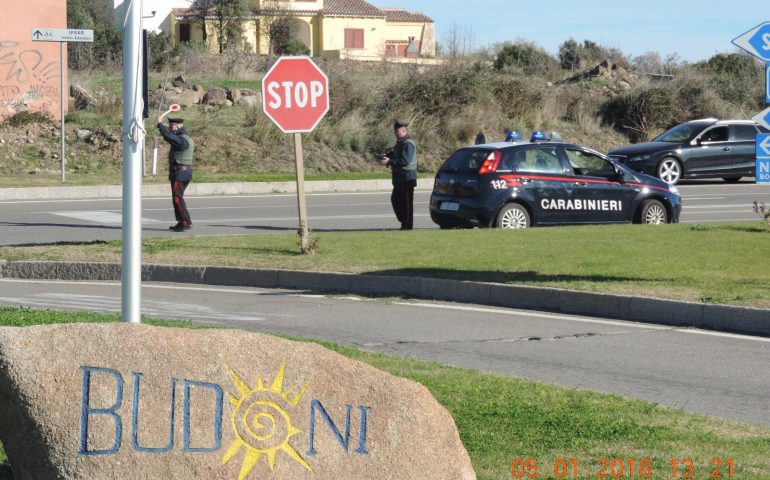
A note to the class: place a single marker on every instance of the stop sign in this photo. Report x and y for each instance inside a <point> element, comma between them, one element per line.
<point>295,94</point>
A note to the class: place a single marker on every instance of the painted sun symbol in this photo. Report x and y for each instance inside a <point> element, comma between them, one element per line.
<point>261,425</point>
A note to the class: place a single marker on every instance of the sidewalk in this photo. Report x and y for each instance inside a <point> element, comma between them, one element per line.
<point>201,189</point>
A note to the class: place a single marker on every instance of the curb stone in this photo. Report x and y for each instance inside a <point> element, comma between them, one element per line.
<point>725,318</point>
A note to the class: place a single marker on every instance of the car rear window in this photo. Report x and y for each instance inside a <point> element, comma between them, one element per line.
<point>465,161</point>
<point>680,133</point>
<point>744,133</point>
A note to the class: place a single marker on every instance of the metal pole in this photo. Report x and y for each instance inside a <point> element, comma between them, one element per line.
<point>61,105</point>
<point>132,167</point>
<point>301,206</point>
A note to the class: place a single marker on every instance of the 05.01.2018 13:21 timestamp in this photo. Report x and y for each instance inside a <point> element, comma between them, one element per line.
<point>685,468</point>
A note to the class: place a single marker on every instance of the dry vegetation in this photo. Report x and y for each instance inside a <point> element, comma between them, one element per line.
<point>599,106</point>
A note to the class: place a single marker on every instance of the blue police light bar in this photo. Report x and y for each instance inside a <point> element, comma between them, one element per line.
<point>515,135</point>
<point>537,136</point>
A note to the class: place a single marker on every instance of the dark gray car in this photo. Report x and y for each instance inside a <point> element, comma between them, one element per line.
<point>707,148</point>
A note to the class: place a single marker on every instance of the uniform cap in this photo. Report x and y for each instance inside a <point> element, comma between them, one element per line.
<point>172,121</point>
<point>399,124</point>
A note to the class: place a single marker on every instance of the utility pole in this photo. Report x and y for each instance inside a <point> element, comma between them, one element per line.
<point>133,139</point>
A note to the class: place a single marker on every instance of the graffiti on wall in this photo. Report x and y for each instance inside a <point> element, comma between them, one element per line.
<point>28,79</point>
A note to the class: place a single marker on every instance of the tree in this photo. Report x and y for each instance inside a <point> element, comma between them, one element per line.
<point>276,25</point>
<point>107,46</point>
<point>229,15</point>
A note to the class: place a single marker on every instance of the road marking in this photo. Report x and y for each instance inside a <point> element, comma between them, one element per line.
<point>701,207</point>
<point>101,217</point>
<point>509,311</point>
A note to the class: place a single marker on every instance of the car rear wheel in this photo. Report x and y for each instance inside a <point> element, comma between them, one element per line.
<point>513,215</point>
<point>731,179</point>
<point>669,170</point>
<point>653,213</point>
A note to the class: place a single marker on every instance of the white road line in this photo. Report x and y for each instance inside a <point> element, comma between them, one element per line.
<point>510,312</point>
<point>570,318</point>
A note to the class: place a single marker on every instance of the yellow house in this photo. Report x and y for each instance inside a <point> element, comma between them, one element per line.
<point>329,28</point>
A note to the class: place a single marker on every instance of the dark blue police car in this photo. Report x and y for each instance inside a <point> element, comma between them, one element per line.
<point>523,184</point>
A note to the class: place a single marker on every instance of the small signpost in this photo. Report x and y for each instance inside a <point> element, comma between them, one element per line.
<point>295,96</point>
<point>62,35</point>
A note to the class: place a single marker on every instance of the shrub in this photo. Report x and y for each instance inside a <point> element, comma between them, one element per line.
<point>526,57</point>
<point>26,117</point>
<point>292,47</point>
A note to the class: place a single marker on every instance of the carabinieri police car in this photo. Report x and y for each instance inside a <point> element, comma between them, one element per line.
<point>545,182</point>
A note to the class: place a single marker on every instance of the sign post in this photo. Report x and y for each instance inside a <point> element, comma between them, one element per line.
<point>295,96</point>
<point>62,35</point>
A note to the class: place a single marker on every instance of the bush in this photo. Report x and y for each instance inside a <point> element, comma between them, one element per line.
<point>292,47</point>
<point>26,117</point>
<point>526,57</point>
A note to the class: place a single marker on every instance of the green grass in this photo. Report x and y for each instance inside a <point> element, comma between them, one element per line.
<point>715,263</point>
<point>501,418</point>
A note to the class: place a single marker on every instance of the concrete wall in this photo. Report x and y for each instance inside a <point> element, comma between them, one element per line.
<point>30,71</point>
<point>333,37</point>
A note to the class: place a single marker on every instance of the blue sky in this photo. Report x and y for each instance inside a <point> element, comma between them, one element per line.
<point>694,30</point>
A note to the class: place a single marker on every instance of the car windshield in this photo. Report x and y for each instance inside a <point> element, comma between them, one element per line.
<point>680,133</point>
<point>465,161</point>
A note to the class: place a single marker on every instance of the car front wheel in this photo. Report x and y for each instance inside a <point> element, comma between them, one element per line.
<point>669,170</point>
<point>512,215</point>
<point>653,213</point>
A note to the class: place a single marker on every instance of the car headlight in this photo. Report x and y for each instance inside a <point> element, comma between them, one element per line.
<point>639,158</point>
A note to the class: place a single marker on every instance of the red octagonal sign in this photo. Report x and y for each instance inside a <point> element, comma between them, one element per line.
<point>295,94</point>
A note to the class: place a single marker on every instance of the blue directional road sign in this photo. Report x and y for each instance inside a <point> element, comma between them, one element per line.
<point>756,41</point>
<point>763,118</point>
<point>763,158</point>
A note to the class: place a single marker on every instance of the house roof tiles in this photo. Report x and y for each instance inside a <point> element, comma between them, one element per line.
<point>401,15</point>
<point>334,8</point>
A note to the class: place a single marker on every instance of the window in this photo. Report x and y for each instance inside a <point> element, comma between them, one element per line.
<point>465,161</point>
<point>354,38</point>
<point>744,133</point>
<point>532,160</point>
<point>184,32</point>
<point>585,163</point>
<point>716,134</point>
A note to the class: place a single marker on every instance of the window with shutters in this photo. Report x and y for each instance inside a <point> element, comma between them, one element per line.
<point>354,38</point>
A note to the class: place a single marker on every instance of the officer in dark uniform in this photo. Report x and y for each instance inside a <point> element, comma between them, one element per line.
<point>402,160</point>
<point>180,158</point>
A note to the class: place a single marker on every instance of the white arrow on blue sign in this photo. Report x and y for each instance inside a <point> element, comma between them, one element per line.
<point>763,118</point>
<point>756,41</point>
<point>762,174</point>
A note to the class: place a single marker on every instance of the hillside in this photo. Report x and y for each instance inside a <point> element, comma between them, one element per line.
<point>604,105</point>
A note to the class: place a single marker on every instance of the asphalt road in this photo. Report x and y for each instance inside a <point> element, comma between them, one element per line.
<point>707,372</point>
<point>23,222</point>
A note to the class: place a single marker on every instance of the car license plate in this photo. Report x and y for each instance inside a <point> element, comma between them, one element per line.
<point>450,206</point>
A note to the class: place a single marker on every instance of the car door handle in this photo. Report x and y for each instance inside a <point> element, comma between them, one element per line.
<point>727,149</point>
<point>526,180</point>
<point>581,184</point>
